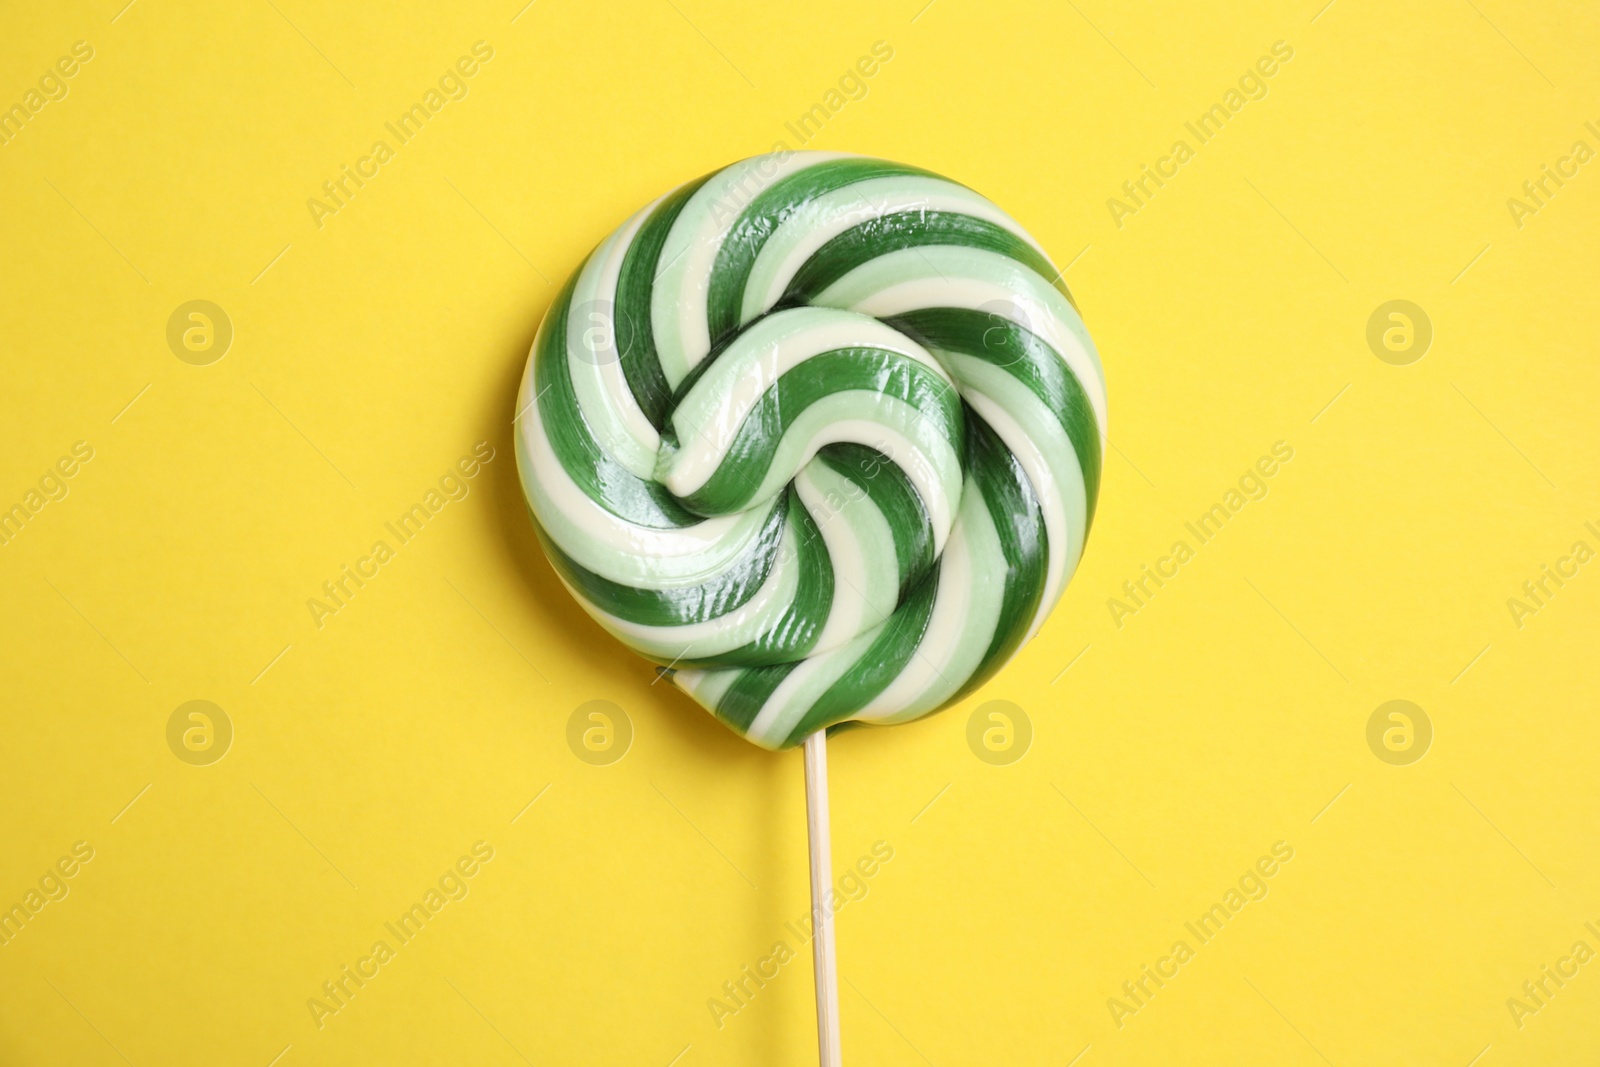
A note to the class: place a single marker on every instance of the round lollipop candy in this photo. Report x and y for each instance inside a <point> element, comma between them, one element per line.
<point>821,436</point>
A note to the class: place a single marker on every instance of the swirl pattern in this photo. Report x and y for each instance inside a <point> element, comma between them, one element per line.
<point>819,434</point>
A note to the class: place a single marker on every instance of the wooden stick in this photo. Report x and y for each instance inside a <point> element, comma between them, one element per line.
<point>825,962</point>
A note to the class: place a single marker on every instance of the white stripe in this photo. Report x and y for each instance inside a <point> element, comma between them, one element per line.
<point>678,303</point>
<point>724,633</point>
<point>779,714</point>
<point>709,417</point>
<point>922,278</point>
<point>1060,555</point>
<point>946,624</point>
<point>861,598</point>
<point>594,357</point>
<point>613,547</point>
<point>813,224</point>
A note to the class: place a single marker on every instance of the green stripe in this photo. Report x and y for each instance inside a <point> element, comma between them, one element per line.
<point>765,214</point>
<point>907,229</point>
<point>601,478</point>
<point>701,369</point>
<point>1028,358</point>
<point>738,477</point>
<point>744,699</point>
<point>794,633</point>
<point>876,667</point>
<point>1019,524</point>
<point>676,607</point>
<point>887,486</point>
<point>636,340</point>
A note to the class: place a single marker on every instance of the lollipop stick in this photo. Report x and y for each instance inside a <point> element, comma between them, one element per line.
<point>825,962</point>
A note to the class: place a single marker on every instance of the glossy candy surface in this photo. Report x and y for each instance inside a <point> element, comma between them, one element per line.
<point>820,432</point>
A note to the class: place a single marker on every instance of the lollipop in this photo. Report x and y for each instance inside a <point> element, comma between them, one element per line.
<point>820,435</point>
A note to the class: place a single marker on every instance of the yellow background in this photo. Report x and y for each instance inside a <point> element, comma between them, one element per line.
<point>1225,716</point>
